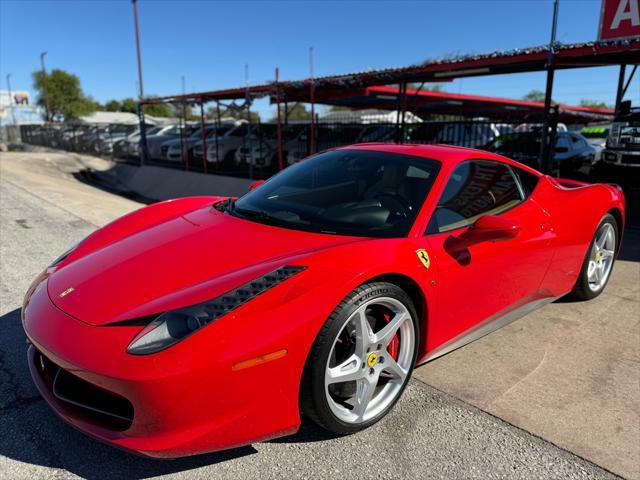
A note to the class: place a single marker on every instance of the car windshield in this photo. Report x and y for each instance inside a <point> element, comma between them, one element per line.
<point>345,192</point>
<point>219,131</point>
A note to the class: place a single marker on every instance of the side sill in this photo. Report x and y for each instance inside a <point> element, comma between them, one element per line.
<point>486,327</point>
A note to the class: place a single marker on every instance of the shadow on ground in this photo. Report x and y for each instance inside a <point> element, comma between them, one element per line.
<point>33,434</point>
<point>630,250</point>
<point>105,182</point>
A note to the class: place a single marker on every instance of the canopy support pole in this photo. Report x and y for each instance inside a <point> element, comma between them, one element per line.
<point>203,136</point>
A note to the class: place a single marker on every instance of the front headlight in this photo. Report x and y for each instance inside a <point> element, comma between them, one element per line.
<point>175,325</point>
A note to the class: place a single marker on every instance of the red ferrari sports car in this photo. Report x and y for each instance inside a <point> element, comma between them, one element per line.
<point>205,323</point>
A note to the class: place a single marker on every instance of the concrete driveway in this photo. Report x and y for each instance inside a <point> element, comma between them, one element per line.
<point>569,372</point>
<point>565,380</point>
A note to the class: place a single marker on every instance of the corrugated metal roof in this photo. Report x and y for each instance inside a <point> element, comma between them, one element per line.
<point>442,69</point>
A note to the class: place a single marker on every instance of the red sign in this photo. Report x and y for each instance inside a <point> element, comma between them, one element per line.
<point>619,19</point>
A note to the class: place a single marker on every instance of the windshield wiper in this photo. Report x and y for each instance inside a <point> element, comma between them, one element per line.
<point>258,215</point>
<point>225,205</point>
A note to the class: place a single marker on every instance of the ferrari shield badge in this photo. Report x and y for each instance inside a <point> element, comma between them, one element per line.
<point>423,256</point>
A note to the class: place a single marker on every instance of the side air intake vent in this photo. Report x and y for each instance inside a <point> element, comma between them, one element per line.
<point>175,325</point>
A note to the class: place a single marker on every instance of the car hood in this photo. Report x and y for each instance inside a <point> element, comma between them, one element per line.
<point>180,260</point>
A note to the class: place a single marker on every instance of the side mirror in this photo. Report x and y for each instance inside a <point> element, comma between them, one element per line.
<point>491,228</point>
<point>255,184</point>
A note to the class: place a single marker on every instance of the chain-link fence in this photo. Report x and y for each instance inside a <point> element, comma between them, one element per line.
<point>98,140</point>
<point>240,148</point>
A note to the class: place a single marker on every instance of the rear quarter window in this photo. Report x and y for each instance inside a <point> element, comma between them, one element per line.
<point>528,181</point>
<point>475,188</point>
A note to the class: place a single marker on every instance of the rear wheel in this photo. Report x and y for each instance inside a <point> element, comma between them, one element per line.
<point>362,359</point>
<point>599,260</point>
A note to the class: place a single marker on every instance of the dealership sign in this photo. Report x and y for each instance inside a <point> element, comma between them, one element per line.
<point>18,98</point>
<point>619,19</point>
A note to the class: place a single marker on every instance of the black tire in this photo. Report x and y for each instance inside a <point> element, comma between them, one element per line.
<point>581,290</point>
<point>313,398</point>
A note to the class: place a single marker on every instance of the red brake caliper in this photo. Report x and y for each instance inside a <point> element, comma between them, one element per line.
<point>395,343</point>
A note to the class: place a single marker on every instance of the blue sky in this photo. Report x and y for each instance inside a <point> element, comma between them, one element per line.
<point>209,42</point>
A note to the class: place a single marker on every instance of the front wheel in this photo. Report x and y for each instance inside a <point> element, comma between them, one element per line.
<point>599,260</point>
<point>362,359</point>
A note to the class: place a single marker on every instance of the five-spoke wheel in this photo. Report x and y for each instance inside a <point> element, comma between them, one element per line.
<point>601,257</point>
<point>362,358</point>
<point>598,261</point>
<point>368,364</point>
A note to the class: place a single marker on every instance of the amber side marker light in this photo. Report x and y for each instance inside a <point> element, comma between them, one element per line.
<point>252,362</point>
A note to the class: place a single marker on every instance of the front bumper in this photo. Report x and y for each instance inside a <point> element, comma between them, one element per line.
<point>183,401</point>
<point>627,158</point>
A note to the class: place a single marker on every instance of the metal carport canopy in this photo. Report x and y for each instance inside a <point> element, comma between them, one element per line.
<point>580,55</point>
<point>424,101</point>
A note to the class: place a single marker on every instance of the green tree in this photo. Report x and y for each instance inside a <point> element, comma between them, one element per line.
<point>239,114</point>
<point>433,87</point>
<point>158,110</point>
<point>66,98</point>
<point>339,108</point>
<point>113,106</point>
<point>254,116</point>
<point>129,105</point>
<point>594,103</point>
<point>187,112</point>
<point>534,96</point>
<point>297,112</point>
<point>96,104</point>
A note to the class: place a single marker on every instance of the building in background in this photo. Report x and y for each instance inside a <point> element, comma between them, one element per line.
<point>17,108</point>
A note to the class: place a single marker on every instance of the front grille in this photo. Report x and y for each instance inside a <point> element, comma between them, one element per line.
<point>630,159</point>
<point>87,401</point>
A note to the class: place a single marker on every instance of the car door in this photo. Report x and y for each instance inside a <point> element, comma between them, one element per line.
<point>480,281</point>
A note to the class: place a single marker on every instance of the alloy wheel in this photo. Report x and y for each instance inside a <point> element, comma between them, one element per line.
<point>601,257</point>
<point>370,360</point>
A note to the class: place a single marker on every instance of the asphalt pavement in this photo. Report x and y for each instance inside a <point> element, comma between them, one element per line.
<point>430,434</point>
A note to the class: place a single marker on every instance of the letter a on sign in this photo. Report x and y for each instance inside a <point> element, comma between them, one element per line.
<point>619,19</point>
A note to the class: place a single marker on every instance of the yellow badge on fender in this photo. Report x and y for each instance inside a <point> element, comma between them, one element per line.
<point>423,256</point>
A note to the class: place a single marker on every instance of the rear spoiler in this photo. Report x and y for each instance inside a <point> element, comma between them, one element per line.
<point>570,183</point>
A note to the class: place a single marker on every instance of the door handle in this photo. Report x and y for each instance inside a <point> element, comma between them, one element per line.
<point>546,227</point>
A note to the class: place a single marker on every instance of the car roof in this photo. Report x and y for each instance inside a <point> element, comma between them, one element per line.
<point>449,155</point>
<point>442,153</point>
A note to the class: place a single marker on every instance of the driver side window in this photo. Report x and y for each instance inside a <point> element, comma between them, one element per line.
<point>475,188</point>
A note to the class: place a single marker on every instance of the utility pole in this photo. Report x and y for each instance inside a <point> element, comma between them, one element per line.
<point>546,146</point>
<point>44,88</point>
<point>143,130</point>
<point>312,94</point>
<point>13,114</point>
<point>137,30</point>
<point>183,130</point>
<point>279,120</point>
<point>249,131</point>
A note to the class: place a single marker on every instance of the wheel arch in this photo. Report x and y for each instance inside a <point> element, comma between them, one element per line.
<point>617,214</point>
